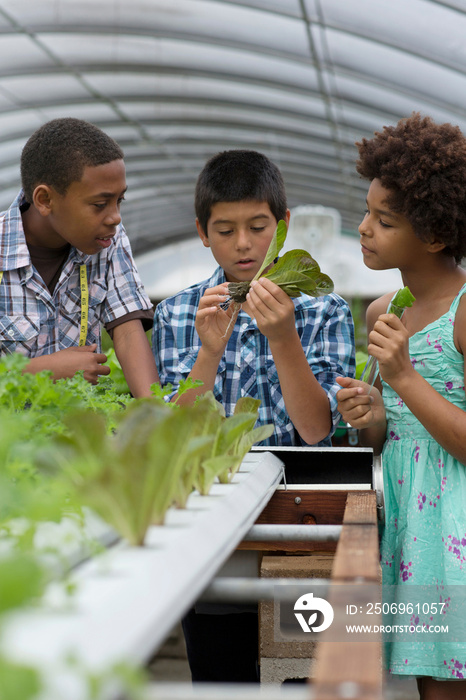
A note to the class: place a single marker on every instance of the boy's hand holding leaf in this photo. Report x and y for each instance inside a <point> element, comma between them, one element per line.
<point>272,309</point>
<point>213,321</point>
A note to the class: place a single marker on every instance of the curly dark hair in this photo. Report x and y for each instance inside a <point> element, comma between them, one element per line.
<point>237,175</point>
<point>57,153</point>
<point>423,164</point>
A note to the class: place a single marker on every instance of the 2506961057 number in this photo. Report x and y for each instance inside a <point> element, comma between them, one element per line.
<point>399,608</point>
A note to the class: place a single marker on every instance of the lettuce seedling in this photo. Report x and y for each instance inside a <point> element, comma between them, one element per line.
<point>209,416</point>
<point>132,477</point>
<point>157,455</point>
<point>239,433</point>
<point>235,437</point>
<point>296,272</point>
<point>22,583</point>
<point>402,299</point>
<point>248,438</point>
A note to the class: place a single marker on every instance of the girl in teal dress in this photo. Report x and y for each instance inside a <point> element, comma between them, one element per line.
<point>415,415</point>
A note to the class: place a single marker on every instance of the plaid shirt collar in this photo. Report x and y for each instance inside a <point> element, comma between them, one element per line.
<point>217,278</point>
<point>14,252</point>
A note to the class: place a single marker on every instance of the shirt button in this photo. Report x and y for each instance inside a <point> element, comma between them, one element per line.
<point>11,332</point>
<point>244,326</point>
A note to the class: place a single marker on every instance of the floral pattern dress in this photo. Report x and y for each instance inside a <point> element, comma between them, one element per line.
<point>424,539</point>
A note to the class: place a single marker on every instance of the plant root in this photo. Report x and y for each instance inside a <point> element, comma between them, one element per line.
<point>236,307</point>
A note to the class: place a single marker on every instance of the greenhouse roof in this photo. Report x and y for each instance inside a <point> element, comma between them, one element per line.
<point>175,81</point>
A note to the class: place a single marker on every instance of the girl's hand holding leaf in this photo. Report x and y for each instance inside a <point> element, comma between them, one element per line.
<point>389,343</point>
<point>356,406</point>
<point>402,299</point>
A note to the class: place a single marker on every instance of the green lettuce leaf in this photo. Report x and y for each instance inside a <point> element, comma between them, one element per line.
<point>402,299</point>
<point>276,244</point>
<point>296,272</point>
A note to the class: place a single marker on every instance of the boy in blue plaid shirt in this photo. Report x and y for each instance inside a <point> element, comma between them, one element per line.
<point>66,266</point>
<point>286,352</point>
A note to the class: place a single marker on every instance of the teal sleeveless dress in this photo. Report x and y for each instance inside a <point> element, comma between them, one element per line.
<point>424,539</point>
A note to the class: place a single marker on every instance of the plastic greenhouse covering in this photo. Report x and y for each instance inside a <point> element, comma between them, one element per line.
<point>175,81</point>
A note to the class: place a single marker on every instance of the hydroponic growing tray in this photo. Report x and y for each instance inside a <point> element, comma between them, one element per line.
<point>127,600</point>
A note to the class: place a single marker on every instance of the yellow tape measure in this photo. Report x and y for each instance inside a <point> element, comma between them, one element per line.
<point>84,304</point>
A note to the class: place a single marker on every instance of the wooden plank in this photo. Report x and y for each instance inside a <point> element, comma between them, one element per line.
<point>325,507</point>
<point>356,560</point>
<point>357,555</point>
<point>290,547</point>
<point>361,508</point>
<point>314,507</point>
<point>355,666</point>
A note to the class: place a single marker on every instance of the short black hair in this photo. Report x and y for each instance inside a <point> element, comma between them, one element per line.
<point>237,175</point>
<point>57,153</point>
<point>423,164</point>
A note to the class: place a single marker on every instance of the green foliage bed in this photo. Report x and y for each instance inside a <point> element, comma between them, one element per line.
<point>68,446</point>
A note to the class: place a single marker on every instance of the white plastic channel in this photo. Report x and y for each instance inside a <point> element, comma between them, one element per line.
<point>127,602</point>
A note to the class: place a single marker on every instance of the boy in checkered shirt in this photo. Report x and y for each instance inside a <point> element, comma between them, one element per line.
<point>286,352</point>
<point>65,260</point>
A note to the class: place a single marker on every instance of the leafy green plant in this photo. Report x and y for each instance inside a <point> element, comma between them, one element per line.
<point>22,582</point>
<point>162,393</point>
<point>196,473</point>
<point>18,682</point>
<point>130,478</point>
<point>402,299</point>
<point>238,433</point>
<point>119,383</point>
<point>67,444</point>
<point>157,455</point>
<point>49,400</point>
<point>361,361</point>
<point>32,410</point>
<point>234,437</point>
<point>296,272</point>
